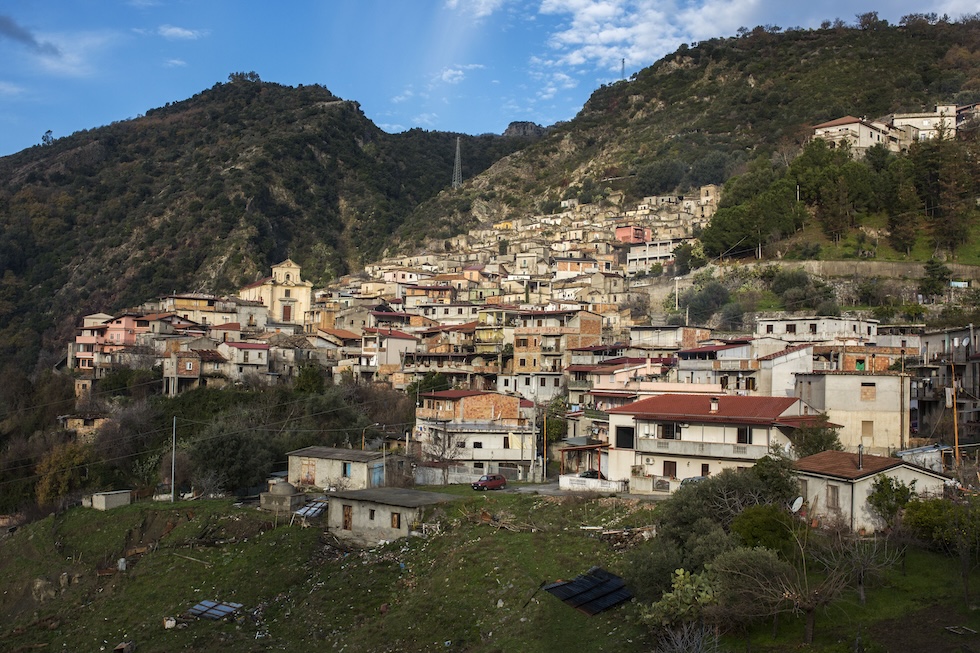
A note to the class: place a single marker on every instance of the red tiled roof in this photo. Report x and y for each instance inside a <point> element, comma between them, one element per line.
<point>343,334</point>
<point>842,464</point>
<point>785,352</point>
<point>846,120</point>
<point>209,355</point>
<point>258,283</point>
<point>391,333</point>
<point>731,408</point>
<point>227,326</point>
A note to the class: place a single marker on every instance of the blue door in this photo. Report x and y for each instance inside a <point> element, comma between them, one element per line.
<point>377,475</point>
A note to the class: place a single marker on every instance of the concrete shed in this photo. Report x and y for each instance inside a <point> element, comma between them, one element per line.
<point>110,500</point>
<point>371,515</point>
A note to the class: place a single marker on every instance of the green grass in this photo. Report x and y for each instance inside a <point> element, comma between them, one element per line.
<point>475,586</point>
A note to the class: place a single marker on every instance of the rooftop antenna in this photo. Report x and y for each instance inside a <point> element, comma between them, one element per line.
<point>622,74</point>
<point>457,169</point>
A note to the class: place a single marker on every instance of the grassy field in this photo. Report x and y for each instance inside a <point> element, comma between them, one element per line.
<point>473,587</point>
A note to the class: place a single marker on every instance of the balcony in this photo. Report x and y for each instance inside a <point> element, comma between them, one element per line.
<point>701,449</point>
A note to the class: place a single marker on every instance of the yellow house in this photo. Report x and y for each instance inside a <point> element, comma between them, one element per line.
<point>285,294</point>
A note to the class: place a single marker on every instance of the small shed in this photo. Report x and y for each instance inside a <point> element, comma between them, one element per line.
<point>342,469</point>
<point>371,515</point>
<point>110,500</point>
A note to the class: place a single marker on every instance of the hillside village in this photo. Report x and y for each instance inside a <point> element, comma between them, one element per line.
<point>537,311</point>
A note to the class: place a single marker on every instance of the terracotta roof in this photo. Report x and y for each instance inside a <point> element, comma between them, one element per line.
<point>256,284</point>
<point>842,464</point>
<point>785,352</point>
<point>209,355</point>
<point>343,334</point>
<point>247,345</point>
<point>391,333</point>
<point>846,120</point>
<point>731,408</point>
<point>227,326</point>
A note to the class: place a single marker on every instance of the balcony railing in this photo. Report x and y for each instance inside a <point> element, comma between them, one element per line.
<point>705,449</point>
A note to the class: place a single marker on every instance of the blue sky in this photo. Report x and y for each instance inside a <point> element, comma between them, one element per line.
<point>469,66</point>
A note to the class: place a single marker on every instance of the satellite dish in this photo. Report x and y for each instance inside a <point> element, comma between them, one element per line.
<point>797,504</point>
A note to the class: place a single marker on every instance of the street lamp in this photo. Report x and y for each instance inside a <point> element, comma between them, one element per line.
<point>369,426</point>
<point>677,305</point>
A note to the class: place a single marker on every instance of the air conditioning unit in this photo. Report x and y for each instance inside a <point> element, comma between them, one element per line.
<point>648,460</point>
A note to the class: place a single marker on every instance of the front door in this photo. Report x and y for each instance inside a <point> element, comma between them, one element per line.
<point>287,313</point>
<point>348,517</point>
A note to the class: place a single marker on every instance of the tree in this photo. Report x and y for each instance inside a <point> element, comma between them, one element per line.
<point>47,138</point>
<point>61,472</point>
<point>936,279</point>
<point>811,439</point>
<point>310,379</point>
<point>888,497</point>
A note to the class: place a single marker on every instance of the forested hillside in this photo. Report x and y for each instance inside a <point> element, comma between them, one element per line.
<point>710,109</point>
<point>204,195</point>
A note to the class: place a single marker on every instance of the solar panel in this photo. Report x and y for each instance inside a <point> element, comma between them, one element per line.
<point>313,508</point>
<point>592,592</point>
<point>213,609</point>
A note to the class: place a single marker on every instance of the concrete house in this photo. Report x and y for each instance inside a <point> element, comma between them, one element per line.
<point>658,441</point>
<point>369,516</point>
<point>873,408</point>
<point>836,485</point>
<point>331,467</point>
<point>285,294</point>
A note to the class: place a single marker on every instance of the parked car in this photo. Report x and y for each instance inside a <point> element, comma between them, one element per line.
<point>592,473</point>
<point>691,480</point>
<point>490,482</point>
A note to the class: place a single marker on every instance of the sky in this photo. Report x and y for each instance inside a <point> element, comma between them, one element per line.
<point>466,66</point>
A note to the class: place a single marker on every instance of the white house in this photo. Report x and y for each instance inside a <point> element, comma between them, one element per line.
<point>836,485</point>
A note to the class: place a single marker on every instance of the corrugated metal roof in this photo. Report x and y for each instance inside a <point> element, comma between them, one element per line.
<point>592,592</point>
<point>313,508</point>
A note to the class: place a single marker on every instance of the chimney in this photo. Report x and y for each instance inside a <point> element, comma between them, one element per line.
<point>860,456</point>
<point>714,405</point>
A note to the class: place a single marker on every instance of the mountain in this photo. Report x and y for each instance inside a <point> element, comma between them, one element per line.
<point>707,110</point>
<point>206,194</point>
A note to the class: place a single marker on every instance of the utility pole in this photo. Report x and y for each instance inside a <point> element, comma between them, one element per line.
<point>173,465</point>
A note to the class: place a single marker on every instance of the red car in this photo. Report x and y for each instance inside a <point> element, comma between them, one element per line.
<point>490,482</point>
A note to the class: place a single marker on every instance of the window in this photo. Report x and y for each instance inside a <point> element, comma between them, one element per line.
<point>506,383</point>
<point>245,356</point>
<point>506,442</point>
<point>624,437</point>
<point>396,520</point>
<point>557,382</point>
<point>669,431</point>
<point>527,380</point>
<point>867,429</point>
<point>189,366</point>
<point>542,381</point>
<point>790,328</point>
<point>813,328</point>
<point>868,392</point>
<point>371,514</point>
<point>477,445</point>
<point>768,328</point>
<point>859,365</point>
<point>522,362</point>
<point>833,497</point>
<point>287,293</point>
<point>705,469</point>
<point>346,470</point>
<point>744,435</point>
<point>670,469</point>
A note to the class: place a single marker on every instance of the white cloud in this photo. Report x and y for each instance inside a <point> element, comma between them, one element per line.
<point>175,63</point>
<point>427,119</point>
<point>76,52</point>
<point>407,94</point>
<point>455,74</point>
<point>476,8</point>
<point>9,90</point>
<point>180,33</point>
